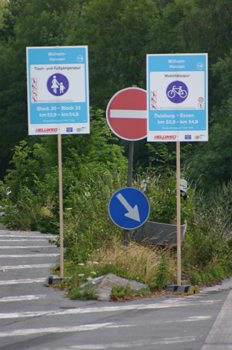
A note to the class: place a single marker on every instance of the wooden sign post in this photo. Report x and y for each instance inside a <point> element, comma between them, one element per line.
<point>61,206</point>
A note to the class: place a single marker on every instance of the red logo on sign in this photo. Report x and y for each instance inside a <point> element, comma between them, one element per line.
<point>48,130</point>
<point>165,137</point>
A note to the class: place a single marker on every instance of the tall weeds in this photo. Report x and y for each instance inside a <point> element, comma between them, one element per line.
<point>142,262</point>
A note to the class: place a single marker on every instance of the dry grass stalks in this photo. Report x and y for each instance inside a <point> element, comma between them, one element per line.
<point>136,258</point>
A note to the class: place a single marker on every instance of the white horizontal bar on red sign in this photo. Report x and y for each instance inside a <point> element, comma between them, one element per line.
<point>126,113</point>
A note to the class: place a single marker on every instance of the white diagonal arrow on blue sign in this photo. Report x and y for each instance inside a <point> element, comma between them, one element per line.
<point>133,213</point>
<point>128,208</point>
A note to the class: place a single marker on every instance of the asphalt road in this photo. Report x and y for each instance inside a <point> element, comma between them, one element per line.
<point>35,317</point>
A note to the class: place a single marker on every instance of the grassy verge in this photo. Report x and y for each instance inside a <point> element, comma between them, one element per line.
<point>145,264</point>
<point>94,245</point>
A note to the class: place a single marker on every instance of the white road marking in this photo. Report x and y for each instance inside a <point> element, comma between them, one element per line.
<point>90,327</point>
<point>28,236</point>
<point>19,267</point>
<point>77,311</point>
<point>189,319</point>
<point>23,240</point>
<point>22,298</point>
<point>27,246</point>
<point>125,113</point>
<point>131,344</point>
<point>23,281</point>
<point>220,336</point>
<point>37,255</point>
<point>81,328</point>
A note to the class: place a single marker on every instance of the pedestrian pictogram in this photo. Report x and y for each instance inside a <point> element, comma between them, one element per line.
<point>57,84</point>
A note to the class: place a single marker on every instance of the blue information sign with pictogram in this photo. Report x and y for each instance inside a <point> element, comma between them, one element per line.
<point>58,90</point>
<point>177,97</point>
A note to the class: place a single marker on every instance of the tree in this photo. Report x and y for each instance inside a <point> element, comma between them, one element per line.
<point>116,33</point>
<point>211,161</point>
<point>47,23</point>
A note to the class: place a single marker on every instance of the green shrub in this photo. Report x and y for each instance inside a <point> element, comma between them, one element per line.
<point>162,275</point>
<point>161,193</point>
<point>120,292</point>
<point>206,249</point>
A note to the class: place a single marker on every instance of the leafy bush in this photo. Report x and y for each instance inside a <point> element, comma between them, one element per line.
<point>162,274</point>
<point>34,176</point>
<point>161,192</point>
<point>206,249</point>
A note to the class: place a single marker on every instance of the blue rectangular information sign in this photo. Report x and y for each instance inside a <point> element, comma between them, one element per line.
<point>58,90</point>
<point>177,97</point>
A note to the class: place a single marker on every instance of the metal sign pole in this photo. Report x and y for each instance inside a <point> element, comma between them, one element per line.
<point>61,206</point>
<point>130,163</point>
<point>178,213</point>
<point>129,183</point>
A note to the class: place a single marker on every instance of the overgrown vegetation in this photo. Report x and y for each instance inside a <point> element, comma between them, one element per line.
<point>94,245</point>
<point>145,264</point>
<point>127,293</point>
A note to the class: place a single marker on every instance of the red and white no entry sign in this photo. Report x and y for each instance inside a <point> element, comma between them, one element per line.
<point>126,114</point>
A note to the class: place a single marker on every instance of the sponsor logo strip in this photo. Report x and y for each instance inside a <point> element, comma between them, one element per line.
<point>165,137</point>
<point>47,130</point>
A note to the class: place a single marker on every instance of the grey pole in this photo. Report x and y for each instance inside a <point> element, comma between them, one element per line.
<point>130,163</point>
<point>129,183</point>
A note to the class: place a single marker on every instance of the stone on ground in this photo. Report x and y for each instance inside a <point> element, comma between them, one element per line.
<point>104,284</point>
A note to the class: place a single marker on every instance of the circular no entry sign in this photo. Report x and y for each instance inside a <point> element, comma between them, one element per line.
<point>126,114</point>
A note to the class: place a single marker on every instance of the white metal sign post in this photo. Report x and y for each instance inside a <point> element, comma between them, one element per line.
<point>58,99</point>
<point>177,106</point>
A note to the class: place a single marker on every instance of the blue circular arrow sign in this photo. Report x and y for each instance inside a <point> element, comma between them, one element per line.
<point>129,208</point>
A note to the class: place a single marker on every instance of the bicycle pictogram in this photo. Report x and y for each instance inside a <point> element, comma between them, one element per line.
<point>177,92</point>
